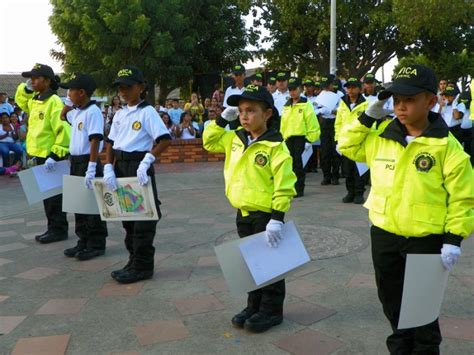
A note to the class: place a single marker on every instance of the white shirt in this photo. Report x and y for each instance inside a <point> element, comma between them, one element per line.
<point>466,120</point>
<point>447,114</point>
<point>135,128</point>
<point>370,98</point>
<point>85,123</point>
<point>232,90</point>
<point>280,99</point>
<point>9,138</point>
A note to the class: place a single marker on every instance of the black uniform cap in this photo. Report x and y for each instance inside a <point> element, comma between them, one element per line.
<point>129,75</point>
<point>80,81</point>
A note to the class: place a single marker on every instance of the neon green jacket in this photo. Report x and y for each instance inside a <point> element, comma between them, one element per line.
<point>421,188</point>
<point>47,133</point>
<point>346,116</point>
<point>259,176</point>
<point>299,120</point>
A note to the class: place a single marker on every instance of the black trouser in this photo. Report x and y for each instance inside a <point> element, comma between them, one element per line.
<point>389,255</point>
<point>355,184</point>
<point>466,140</point>
<point>268,299</point>
<point>457,132</point>
<point>90,229</point>
<point>472,146</point>
<point>53,208</point>
<point>139,235</point>
<point>295,145</point>
<point>330,160</point>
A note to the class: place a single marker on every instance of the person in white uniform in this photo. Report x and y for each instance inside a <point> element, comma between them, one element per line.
<point>282,94</point>
<point>137,137</point>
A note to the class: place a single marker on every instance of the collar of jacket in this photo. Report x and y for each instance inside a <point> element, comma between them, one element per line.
<point>143,104</point>
<point>89,104</point>
<point>347,100</point>
<point>303,100</point>
<point>44,96</point>
<point>270,138</point>
<point>436,129</point>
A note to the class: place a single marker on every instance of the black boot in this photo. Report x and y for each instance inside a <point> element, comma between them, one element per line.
<point>326,181</point>
<point>261,322</point>
<point>52,237</point>
<point>131,275</point>
<point>359,199</point>
<point>115,273</point>
<point>72,252</point>
<point>88,254</point>
<point>348,198</point>
<point>37,237</point>
<point>239,319</point>
<point>334,181</point>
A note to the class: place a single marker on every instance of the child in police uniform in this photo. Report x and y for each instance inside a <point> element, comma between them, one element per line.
<point>299,126</point>
<point>260,183</point>
<point>422,193</point>
<point>47,139</point>
<point>86,142</point>
<point>134,131</point>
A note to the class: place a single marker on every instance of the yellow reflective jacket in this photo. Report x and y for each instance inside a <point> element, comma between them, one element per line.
<point>259,176</point>
<point>47,133</point>
<point>299,120</point>
<point>346,116</point>
<point>421,188</point>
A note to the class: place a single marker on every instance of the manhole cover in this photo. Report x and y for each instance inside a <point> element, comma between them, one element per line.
<point>320,241</point>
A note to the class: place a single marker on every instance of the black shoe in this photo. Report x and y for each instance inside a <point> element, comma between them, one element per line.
<point>299,194</point>
<point>326,182</point>
<point>88,254</point>
<point>348,198</point>
<point>261,322</point>
<point>131,275</point>
<point>37,237</point>
<point>359,199</point>
<point>115,273</point>
<point>72,252</point>
<point>239,319</point>
<point>51,238</point>
<point>334,181</point>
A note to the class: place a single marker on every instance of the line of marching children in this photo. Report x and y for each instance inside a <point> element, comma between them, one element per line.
<point>136,138</point>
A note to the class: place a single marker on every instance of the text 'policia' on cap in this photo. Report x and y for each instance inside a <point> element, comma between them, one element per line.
<point>129,75</point>
<point>411,80</point>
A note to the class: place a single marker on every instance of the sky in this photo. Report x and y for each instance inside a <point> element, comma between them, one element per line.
<point>28,38</point>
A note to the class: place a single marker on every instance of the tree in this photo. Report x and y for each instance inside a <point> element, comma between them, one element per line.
<point>164,38</point>
<point>367,36</point>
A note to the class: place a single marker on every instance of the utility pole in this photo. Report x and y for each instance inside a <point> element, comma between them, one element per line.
<point>332,53</point>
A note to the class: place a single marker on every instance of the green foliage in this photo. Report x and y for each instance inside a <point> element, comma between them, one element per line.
<point>169,40</point>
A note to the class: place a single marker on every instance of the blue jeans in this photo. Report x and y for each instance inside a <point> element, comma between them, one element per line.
<point>5,149</point>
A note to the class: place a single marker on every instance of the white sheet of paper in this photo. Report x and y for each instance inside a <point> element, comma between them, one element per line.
<point>362,168</point>
<point>423,290</point>
<point>235,270</point>
<point>267,263</point>
<point>328,99</point>
<point>130,202</point>
<point>308,151</point>
<point>77,198</point>
<point>51,180</point>
<point>31,190</point>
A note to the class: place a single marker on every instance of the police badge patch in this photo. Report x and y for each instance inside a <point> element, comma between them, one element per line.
<point>136,125</point>
<point>424,162</point>
<point>41,116</point>
<point>79,126</point>
<point>261,159</point>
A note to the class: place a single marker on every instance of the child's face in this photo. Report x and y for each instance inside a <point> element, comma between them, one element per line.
<point>14,118</point>
<point>295,93</point>
<point>40,83</point>
<point>131,94</point>
<point>413,109</point>
<point>77,96</point>
<point>353,91</point>
<point>449,98</point>
<point>5,119</point>
<point>252,116</point>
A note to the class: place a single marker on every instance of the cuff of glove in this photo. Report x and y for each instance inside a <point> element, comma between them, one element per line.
<point>278,215</point>
<point>366,120</point>
<point>54,157</point>
<point>453,239</point>
<point>221,122</point>
<point>92,164</point>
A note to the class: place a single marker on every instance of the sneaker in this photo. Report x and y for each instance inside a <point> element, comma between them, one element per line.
<point>348,198</point>
<point>87,254</point>
<point>11,170</point>
<point>239,319</point>
<point>72,252</point>
<point>261,322</point>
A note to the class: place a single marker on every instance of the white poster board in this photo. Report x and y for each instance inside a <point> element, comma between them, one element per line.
<point>77,198</point>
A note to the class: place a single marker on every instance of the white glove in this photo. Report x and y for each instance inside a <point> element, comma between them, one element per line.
<point>273,233</point>
<point>50,165</point>
<point>143,168</point>
<point>230,114</point>
<point>337,150</point>
<point>450,255</point>
<point>307,146</point>
<point>90,174</point>
<point>376,110</point>
<point>109,177</point>
<point>28,85</point>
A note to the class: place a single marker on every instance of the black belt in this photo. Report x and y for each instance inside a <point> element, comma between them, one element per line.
<point>121,155</point>
<point>79,158</point>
